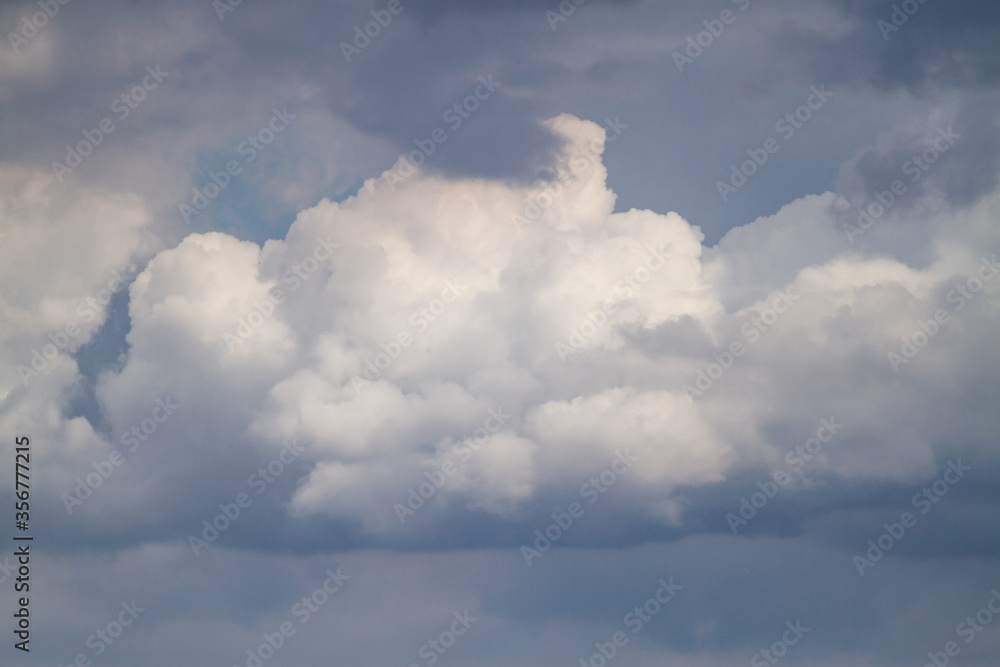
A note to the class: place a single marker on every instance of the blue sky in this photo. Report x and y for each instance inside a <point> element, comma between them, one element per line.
<point>504,333</point>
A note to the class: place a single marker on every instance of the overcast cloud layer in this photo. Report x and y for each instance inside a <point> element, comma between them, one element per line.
<point>501,329</point>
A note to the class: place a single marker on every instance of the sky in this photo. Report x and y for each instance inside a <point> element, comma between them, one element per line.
<point>506,334</point>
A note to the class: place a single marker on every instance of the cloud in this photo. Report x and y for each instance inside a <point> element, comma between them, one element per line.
<point>382,331</point>
<point>455,353</point>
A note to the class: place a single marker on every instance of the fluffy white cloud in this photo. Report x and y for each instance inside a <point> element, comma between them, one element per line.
<point>63,253</point>
<point>384,331</point>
